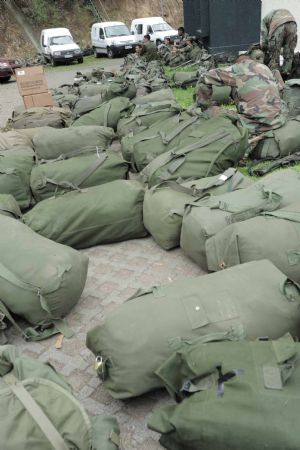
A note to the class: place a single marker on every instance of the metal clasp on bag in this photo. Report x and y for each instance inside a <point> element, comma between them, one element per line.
<point>100,367</point>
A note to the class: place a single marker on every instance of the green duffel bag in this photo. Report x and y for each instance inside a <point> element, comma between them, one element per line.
<point>103,214</point>
<point>41,281</point>
<point>15,168</point>
<point>53,116</point>
<point>54,143</point>
<point>185,79</point>
<point>77,170</point>
<point>137,337</point>
<point>144,146</point>
<point>242,242</point>
<point>84,105</point>
<point>9,207</point>
<point>280,142</point>
<point>237,395</point>
<point>65,100</point>
<point>147,115</point>
<point>165,94</point>
<point>10,139</point>
<point>218,144</point>
<point>39,412</point>
<point>108,89</point>
<point>204,218</point>
<point>291,96</point>
<point>164,204</point>
<point>108,114</point>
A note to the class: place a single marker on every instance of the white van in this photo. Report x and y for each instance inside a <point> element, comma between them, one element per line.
<point>58,45</point>
<point>156,27</point>
<point>111,38</point>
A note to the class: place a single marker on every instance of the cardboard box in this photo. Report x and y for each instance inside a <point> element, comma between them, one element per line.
<point>31,80</point>
<point>32,101</point>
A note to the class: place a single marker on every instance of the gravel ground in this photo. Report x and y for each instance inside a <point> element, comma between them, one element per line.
<point>115,272</point>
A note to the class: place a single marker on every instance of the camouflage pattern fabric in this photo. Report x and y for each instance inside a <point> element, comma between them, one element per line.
<point>149,51</point>
<point>181,39</point>
<point>255,93</point>
<point>279,30</point>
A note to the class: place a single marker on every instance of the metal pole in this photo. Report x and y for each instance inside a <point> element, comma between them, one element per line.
<point>162,8</point>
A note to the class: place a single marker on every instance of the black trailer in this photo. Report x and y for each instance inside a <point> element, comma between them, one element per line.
<point>226,26</point>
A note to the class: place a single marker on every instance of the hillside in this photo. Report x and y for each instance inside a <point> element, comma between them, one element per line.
<point>76,15</point>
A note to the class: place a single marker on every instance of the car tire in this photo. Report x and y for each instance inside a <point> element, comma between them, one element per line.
<point>5,79</point>
<point>53,62</point>
<point>96,54</point>
<point>110,53</point>
<point>80,60</point>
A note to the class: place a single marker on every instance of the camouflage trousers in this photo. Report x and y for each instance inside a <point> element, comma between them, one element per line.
<point>285,36</point>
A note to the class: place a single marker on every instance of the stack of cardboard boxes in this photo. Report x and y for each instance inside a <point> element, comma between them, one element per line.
<point>33,87</point>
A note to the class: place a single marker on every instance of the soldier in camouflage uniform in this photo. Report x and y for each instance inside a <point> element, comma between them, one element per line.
<point>254,91</point>
<point>279,30</point>
<point>149,50</point>
<point>182,36</point>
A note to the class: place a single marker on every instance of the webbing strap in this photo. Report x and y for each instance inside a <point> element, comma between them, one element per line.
<point>38,415</point>
<point>90,170</point>
<point>73,153</point>
<point>106,112</point>
<point>167,138</point>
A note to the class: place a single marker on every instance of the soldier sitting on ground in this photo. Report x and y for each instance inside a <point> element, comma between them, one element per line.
<point>254,91</point>
<point>279,30</point>
<point>149,50</point>
<point>182,37</point>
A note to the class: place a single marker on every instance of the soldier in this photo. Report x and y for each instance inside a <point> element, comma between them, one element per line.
<point>182,36</point>
<point>279,30</point>
<point>254,90</point>
<point>149,50</point>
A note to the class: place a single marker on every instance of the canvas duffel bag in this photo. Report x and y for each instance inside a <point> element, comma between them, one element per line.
<point>39,411</point>
<point>137,337</point>
<point>204,218</point>
<point>164,204</point>
<point>12,138</point>
<point>54,117</point>
<point>184,79</point>
<point>53,143</point>
<point>108,89</point>
<point>76,170</point>
<point>108,114</point>
<point>9,207</point>
<point>84,105</point>
<point>166,94</point>
<point>147,115</point>
<point>280,142</point>
<point>237,395</point>
<point>15,168</point>
<point>102,214</point>
<point>217,145</point>
<point>273,235</point>
<point>291,96</point>
<point>144,146</point>
<point>41,281</point>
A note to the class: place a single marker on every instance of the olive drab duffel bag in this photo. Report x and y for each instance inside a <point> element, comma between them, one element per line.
<point>156,96</point>
<point>54,117</point>
<point>15,168</point>
<point>12,138</point>
<point>164,204</point>
<point>9,207</point>
<point>53,143</point>
<point>111,212</point>
<point>41,281</point>
<point>204,218</point>
<point>108,89</point>
<point>291,96</point>
<point>280,142</point>
<point>142,147</point>
<point>84,105</point>
<point>146,115</point>
<point>76,170</point>
<point>107,114</point>
<point>217,145</point>
<point>242,242</point>
<point>137,337</point>
<point>39,412</point>
<point>235,395</point>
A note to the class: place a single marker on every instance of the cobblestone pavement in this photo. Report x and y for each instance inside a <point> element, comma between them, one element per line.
<point>115,272</point>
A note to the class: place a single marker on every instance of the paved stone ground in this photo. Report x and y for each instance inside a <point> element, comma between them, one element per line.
<point>115,272</point>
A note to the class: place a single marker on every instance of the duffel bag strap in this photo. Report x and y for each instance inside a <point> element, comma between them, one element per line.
<point>282,162</point>
<point>167,138</point>
<point>106,112</point>
<point>88,172</point>
<point>38,415</point>
<point>74,153</point>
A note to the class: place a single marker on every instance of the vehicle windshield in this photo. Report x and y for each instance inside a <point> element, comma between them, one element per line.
<point>164,26</point>
<point>61,40</point>
<point>117,30</point>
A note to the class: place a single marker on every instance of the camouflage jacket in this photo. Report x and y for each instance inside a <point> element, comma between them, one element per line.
<point>254,91</point>
<point>273,20</point>
<point>149,51</point>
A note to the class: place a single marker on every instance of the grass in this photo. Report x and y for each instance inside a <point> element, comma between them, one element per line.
<point>87,62</point>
